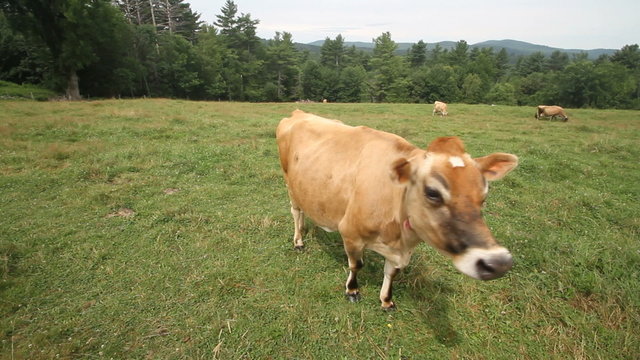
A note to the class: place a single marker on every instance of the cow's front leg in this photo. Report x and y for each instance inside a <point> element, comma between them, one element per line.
<point>390,272</point>
<point>354,250</point>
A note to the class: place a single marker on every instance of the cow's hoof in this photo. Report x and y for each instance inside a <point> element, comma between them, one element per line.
<point>389,307</point>
<point>355,297</point>
<point>299,247</point>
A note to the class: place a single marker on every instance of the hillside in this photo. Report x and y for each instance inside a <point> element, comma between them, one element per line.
<point>514,48</point>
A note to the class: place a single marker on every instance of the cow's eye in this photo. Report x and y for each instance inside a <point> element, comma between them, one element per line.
<point>433,195</point>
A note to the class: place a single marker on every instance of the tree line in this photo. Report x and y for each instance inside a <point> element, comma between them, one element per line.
<point>160,48</point>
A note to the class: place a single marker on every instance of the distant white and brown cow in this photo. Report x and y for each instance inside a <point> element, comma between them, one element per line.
<point>551,111</point>
<point>440,108</point>
<point>385,194</point>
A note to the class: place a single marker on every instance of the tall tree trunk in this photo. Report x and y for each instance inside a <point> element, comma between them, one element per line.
<point>279,94</point>
<point>73,89</point>
<point>155,26</point>
<point>139,17</point>
<point>169,15</point>
<point>153,15</point>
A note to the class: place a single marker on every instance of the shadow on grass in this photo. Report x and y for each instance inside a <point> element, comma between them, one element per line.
<point>433,300</point>
<point>431,296</point>
<point>331,244</point>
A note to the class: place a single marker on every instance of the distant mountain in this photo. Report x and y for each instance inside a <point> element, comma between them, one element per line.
<point>514,48</point>
<point>365,46</point>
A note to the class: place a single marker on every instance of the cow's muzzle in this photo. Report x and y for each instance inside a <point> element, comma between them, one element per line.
<point>484,264</point>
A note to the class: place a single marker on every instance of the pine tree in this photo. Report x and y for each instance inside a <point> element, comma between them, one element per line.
<point>332,52</point>
<point>282,59</point>
<point>417,54</point>
<point>388,82</point>
<point>557,61</point>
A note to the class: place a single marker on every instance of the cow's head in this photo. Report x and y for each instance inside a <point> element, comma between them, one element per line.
<point>445,191</point>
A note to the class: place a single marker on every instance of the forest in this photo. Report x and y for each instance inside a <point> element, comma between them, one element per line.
<point>160,48</point>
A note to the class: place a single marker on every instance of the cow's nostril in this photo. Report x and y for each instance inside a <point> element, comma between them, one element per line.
<point>484,268</point>
<point>484,264</point>
<point>493,267</point>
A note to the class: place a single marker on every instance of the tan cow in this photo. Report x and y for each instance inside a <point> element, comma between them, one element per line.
<point>383,193</point>
<point>551,111</point>
<point>440,107</point>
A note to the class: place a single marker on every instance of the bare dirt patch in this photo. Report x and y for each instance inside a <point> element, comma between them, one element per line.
<point>123,212</point>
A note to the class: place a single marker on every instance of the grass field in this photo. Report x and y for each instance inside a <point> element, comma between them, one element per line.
<point>161,229</point>
<point>9,90</point>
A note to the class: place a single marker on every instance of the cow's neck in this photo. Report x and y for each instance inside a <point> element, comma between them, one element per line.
<point>406,232</point>
<point>399,228</point>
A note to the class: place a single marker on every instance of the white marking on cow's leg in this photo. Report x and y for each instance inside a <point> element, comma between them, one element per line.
<point>354,255</point>
<point>456,161</point>
<point>386,293</point>
<point>298,224</point>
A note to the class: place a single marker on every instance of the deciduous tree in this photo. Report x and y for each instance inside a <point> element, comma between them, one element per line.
<point>70,29</point>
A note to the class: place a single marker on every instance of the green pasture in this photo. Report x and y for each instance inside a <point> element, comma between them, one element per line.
<point>160,229</point>
<point>10,90</point>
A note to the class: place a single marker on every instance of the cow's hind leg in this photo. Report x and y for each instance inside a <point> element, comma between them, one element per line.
<point>298,224</point>
<point>390,272</point>
<point>354,250</point>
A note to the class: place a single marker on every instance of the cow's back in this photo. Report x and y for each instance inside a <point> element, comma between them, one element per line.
<point>325,163</point>
<point>554,110</point>
<point>302,128</point>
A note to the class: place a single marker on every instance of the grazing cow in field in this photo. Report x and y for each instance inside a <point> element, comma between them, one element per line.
<point>551,111</point>
<point>440,107</point>
<point>383,193</point>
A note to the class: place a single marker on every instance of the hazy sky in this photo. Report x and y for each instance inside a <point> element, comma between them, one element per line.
<point>569,24</point>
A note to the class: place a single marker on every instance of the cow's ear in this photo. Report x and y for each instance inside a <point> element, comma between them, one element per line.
<point>497,165</point>
<point>401,170</point>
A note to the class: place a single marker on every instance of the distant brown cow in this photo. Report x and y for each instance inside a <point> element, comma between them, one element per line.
<point>551,111</point>
<point>440,107</point>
